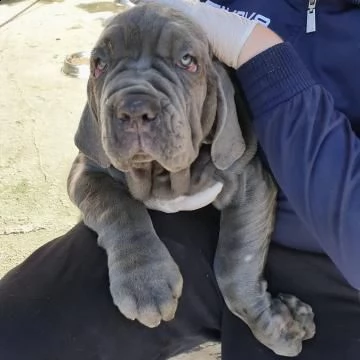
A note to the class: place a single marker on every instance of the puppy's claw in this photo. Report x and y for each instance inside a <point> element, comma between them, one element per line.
<point>285,325</point>
<point>150,294</point>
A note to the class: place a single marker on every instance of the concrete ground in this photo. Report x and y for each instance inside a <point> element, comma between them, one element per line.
<point>39,112</point>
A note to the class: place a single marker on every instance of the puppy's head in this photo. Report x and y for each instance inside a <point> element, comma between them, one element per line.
<point>155,95</point>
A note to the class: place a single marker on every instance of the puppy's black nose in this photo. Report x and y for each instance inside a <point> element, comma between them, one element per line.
<point>138,107</point>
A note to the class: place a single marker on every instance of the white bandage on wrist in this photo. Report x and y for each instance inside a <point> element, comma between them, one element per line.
<point>227,32</point>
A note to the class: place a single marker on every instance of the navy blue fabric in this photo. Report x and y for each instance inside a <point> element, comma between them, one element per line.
<point>304,96</point>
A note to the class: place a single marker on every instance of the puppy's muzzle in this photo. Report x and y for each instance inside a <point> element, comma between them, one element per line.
<point>137,109</point>
<point>133,119</point>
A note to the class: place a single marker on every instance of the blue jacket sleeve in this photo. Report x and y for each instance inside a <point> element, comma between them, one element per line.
<point>311,149</point>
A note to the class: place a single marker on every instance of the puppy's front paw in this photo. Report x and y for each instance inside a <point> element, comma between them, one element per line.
<point>285,325</point>
<point>146,290</point>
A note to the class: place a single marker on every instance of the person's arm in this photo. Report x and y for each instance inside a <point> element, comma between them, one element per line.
<point>311,149</point>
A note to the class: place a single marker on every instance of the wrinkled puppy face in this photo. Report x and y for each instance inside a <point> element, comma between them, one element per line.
<point>151,80</point>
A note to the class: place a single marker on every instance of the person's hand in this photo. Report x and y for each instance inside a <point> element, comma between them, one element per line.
<point>234,39</point>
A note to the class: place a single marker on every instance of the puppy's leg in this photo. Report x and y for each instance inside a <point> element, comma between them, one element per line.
<point>145,282</point>
<point>279,323</point>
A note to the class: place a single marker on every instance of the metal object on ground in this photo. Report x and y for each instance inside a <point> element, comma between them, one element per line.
<point>125,2</point>
<point>77,65</point>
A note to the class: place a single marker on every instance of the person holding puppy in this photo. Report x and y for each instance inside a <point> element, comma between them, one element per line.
<point>296,62</point>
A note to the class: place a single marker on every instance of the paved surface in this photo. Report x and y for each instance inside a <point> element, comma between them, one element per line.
<point>39,112</point>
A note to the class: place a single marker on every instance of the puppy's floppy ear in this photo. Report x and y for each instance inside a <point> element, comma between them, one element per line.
<point>88,138</point>
<point>228,143</point>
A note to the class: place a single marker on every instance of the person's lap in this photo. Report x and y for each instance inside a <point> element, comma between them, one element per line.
<point>315,280</point>
<point>56,305</point>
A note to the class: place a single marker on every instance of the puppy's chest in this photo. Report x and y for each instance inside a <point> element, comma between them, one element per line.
<point>186,190</point>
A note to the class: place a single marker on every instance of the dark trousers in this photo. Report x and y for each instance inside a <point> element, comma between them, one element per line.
<point>57,306</point>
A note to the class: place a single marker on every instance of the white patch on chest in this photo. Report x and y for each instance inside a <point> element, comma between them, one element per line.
<point>186,203</point>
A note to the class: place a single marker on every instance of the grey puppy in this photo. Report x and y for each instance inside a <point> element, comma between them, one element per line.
<point>161,130</point>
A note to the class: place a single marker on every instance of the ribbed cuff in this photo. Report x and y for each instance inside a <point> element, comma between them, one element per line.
<point>272,77</point>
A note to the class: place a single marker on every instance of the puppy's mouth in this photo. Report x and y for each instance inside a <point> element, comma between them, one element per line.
<point>141,159</point>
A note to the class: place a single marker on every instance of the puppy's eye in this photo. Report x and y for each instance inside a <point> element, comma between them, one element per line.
<point>188,62</point>
<point>100,66</point>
